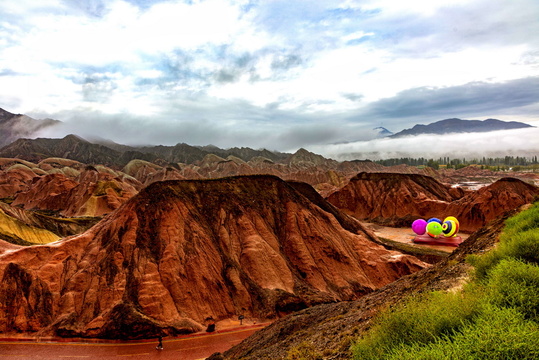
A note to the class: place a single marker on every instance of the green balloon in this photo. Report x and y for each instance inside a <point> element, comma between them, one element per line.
<point>434,228</point>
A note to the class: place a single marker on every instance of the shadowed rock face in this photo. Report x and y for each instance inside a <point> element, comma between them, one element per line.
<point>398,199</point>
<point>181,251</point>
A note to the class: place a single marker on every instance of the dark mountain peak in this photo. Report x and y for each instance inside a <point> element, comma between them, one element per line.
<point>455,125</point>
<point>382,131</point>
<point>6,115</point>
<point>74,139</point>
<point>15,126</point>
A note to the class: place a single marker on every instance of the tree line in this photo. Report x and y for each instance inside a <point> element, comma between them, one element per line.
<point>515,163</point>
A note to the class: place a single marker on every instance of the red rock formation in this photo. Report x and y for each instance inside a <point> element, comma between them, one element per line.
<point>181,251</point>
<point>398,199</point>
<point>394,199</point>
<point>479,207</point>
<point>92,193</point>
<point>46,193</point>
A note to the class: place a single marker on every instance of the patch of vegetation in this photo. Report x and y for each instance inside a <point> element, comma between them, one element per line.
<point>419,321</point>
<point>498,333</point>
<point>496,316</point>
<point>519,240</point>
<point>303,351</point>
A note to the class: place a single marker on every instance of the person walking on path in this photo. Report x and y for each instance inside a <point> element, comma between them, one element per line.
<point>160,344</point>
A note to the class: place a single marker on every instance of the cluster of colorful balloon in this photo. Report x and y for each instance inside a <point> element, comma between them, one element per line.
<point>434,227</point>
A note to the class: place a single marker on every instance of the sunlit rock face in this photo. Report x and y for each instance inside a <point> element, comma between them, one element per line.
<point>397,199</point>
<point>91,193</point>
<point>182,251</point>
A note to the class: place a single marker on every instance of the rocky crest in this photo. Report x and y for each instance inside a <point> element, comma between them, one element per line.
<point>182,251</point>
<point>390,197</point>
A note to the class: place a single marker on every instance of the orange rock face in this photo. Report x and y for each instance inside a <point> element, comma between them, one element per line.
<point>398,199</point>
<point>92,193</point>
<point>182,251</point>
<point>481,206</point>
<point>391,197</point>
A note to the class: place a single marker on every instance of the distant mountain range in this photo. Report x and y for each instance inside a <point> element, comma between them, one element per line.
<point>448,126</point>
<point>17,129</point>
<point>115,155</point>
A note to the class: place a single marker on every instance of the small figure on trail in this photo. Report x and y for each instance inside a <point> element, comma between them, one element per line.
<point>210,323</point>
<point>160,344</point>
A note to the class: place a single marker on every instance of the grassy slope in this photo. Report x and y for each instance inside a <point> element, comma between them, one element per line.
<point>495,316</point>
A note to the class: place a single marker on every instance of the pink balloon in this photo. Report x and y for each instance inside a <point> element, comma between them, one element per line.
<point>419,226</point>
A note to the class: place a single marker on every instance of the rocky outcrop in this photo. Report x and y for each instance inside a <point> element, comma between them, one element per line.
<point>182,251</point>
<point>479,207</point>
<point>15,178</point>
<point>21,226</point>
<point>391,198</point>
<point>398,199</point>
<point>15,230</point>
<point>92,193</point>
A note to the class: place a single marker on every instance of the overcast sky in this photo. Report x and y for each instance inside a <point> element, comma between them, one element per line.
<point>278,74</point>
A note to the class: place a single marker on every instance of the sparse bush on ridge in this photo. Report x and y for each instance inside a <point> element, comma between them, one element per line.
<point>496,316</point>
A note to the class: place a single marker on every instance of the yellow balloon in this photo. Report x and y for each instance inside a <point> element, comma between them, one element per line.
<point>451,218</point>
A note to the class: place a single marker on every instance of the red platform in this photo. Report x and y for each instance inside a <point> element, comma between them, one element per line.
<point>441,240</point>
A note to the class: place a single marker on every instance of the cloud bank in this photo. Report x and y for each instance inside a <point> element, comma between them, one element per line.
<point>518,142</point>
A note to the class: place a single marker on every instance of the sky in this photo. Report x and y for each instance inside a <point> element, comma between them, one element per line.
<point>274,74</point>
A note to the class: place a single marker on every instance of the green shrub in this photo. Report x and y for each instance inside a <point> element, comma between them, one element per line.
<point>420,320</point>
<point>513,283</point>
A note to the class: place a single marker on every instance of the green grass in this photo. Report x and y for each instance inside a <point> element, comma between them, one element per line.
<point>515,284</point>
<point>498,333</point>
<point>519,240</point>
<point>496,316</point>
<point>420,320</point>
